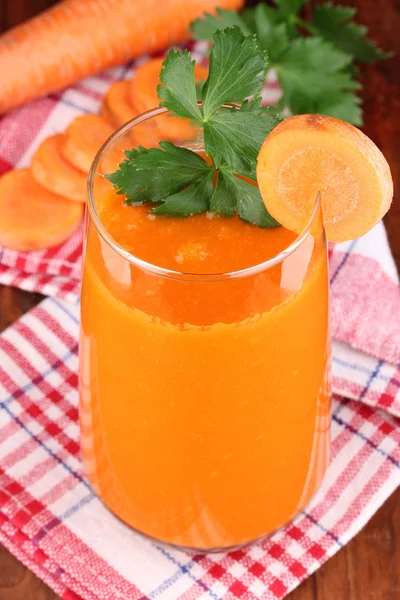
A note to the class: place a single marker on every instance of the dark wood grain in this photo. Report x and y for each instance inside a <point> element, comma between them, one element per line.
<point>14,303</point>
<point>368,567</point>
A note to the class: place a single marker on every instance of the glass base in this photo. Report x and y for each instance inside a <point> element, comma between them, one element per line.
<point>216,550</point>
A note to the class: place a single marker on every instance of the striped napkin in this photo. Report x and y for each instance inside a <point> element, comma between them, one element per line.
<point>49,516</point>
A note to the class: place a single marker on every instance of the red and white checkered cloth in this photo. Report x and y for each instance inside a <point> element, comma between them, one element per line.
<point>49,516</point>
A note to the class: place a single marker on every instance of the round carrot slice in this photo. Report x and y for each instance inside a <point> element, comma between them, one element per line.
<point>31,217</point>
<point>83,139</point>
<point>56,174</point>
<point>116,106</point>
<point>143,91</point>
<point>118,110</point>
<point>310,153</point>
<point>143,87</point>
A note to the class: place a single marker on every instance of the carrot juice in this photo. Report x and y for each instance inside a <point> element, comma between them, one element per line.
<point>204,381</point>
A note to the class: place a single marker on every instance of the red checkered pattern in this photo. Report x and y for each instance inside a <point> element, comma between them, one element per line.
<point>49,516</point>
<point>51,520</point>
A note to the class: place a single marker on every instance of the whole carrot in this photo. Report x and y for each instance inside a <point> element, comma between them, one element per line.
<point>77,38</point>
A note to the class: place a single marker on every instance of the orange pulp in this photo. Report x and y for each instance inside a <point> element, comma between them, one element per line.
<point>204,404</point>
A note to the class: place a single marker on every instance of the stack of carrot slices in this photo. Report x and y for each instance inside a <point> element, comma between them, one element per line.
<point>40,207</point>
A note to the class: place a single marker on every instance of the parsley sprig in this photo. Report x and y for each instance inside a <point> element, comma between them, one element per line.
<point>314,60</point>
<point>179,182</point>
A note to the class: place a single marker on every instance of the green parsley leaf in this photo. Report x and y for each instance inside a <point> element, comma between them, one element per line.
<point>310,69</point>
<point>338,14</point>
<point>279,27</point>
<point>315,55</point>
<point>333,23</point>
<point>273,36</point>
<point>223,201</point>
<point>204,28</point>
<point>199,88</point>
<point>235,138</point>
<point>190,201</point>
<point>289,7</point>
<point>179,93</point>
<point>245,196</point>
<point>179,180</point>
<point>233,195</point>
<point>342,105</point>
<point>237,70</point>
<point>154,174</point>
<point>248,17</point>
<point>251,206</point>
<point>262,18</point>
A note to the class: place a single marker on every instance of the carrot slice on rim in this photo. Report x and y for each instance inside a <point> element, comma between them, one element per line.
<point>54,173</point>
<point>310,153</point>
<point>31,217</point>
<point>143,92</point>
<point>83,139</point>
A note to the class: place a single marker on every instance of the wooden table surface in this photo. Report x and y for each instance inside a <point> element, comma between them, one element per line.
<point>368,567</point>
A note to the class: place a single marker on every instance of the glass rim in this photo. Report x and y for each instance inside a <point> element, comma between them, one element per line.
<point>172,273</point>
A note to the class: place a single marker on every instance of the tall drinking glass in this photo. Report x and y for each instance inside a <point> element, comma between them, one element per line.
<point>204,398</point>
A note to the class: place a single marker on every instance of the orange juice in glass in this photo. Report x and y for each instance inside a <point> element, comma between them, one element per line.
<point>204,366</point>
